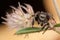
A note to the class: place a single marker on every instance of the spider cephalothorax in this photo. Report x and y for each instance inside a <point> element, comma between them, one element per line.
<point>43,17</point>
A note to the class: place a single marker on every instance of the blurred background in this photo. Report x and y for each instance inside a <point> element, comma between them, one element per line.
<point>6,34</point>
<point>4,6</point>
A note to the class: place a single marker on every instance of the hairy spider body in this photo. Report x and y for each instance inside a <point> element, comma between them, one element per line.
<point>43,19</point>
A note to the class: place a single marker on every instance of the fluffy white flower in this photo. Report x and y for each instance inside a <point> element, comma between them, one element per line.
<point>18,18</point>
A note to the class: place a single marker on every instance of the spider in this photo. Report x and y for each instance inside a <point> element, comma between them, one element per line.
<point>43,19</point>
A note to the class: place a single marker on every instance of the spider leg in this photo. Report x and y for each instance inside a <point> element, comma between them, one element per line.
<point>45,28</point>
<point>32,23</point>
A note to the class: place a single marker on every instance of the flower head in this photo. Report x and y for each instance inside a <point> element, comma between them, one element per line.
<point>18,18</point>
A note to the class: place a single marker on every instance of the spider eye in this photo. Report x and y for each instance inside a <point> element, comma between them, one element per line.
<point>42,17</point>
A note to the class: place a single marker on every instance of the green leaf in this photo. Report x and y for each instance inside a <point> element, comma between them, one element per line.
<point>28,30</point>
<point>57,29</point>
<point>57,25</point>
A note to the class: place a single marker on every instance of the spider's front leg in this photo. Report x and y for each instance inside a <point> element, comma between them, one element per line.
<point>33,23</point>
<point>45,27</point>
